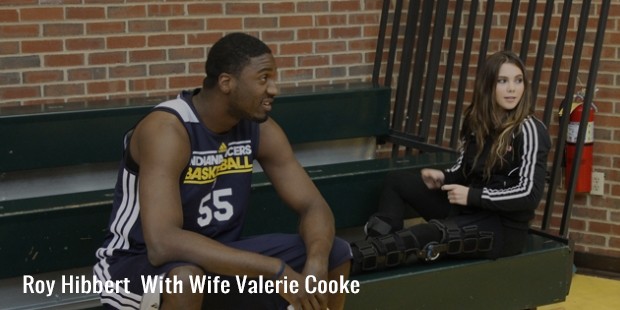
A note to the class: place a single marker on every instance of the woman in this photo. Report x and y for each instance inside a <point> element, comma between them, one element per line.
<point>481,206</point>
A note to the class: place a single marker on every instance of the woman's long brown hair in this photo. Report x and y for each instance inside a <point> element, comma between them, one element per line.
<point>484,118</point>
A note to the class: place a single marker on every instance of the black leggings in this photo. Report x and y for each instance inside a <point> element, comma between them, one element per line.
<point>405,189</point>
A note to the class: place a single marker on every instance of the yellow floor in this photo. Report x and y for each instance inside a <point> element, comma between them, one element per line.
<point>590,293</point>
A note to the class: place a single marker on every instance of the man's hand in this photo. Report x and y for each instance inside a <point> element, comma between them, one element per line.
<point>457,194</point>
<point>317,269</point>
<point>301,300</point>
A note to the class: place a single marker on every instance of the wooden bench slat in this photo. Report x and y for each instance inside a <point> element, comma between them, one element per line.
<point>63,139</point>
<point>73,136</point>
<point>332,115</point>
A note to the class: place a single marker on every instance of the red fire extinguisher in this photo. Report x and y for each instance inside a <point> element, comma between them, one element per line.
<point>584,174</point>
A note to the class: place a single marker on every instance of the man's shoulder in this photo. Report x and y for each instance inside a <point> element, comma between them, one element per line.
<point>179,107</point>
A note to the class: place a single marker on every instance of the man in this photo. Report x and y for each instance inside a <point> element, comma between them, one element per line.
<point>184,186</point>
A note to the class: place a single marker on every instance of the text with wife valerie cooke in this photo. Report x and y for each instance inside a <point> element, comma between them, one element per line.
<point>81,284</point>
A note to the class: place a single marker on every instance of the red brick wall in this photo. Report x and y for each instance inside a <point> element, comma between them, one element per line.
<point>83,49</point>
<point>70,50</point>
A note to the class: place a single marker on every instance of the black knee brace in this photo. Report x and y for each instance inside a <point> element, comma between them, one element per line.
<point>403,247</point>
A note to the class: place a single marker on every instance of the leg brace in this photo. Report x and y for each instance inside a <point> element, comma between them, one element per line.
<point>403,248</point>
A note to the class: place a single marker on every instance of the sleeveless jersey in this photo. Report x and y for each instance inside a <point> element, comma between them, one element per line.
<point>215,186</point>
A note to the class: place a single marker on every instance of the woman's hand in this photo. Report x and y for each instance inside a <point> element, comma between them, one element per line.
<point>457,194</point>
<point>433,178</point>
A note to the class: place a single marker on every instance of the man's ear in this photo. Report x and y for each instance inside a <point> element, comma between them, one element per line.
<point>225,82</point>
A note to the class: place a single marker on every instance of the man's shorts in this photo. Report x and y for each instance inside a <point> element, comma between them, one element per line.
<point>287,247</point>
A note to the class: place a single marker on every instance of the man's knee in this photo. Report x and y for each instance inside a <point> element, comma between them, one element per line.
<point>185,272</point>
<point>340,258</point>
<point>341,250</point>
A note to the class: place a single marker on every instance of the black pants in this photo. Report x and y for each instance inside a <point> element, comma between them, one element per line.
<point>405,189</point>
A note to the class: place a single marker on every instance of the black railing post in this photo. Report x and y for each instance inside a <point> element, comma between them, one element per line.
<point>376,70</point>
<point>398,116</point>
<point>433,67</point>
<point>561,141</point>
<point>527,31</point>
<point>446,89</point>
<point>460,96</point>
<point>540,54</point>
<point>512,24</point>
<point>587,104</point>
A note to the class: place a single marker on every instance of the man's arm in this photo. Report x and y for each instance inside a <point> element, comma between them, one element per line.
<point>299,192</point>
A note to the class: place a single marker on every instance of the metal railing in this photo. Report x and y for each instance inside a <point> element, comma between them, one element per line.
<point>422,45</point>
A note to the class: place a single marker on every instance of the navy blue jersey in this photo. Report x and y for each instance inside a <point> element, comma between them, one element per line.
<point>215,186</point>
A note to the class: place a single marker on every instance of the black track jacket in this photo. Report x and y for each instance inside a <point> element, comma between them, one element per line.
<point>514,189</point>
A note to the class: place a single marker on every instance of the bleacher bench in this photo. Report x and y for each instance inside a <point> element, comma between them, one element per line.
<point>59,167</point>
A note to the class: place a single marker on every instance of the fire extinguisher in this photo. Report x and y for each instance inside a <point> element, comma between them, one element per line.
<point>584,174</point>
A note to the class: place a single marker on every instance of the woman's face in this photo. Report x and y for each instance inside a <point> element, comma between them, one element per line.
<point>510,86</point>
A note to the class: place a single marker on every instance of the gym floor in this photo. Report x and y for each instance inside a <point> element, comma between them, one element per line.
<point>591,291</point>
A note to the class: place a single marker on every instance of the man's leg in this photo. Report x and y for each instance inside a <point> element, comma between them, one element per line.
<point>133,268</point>
<point>187,299</point>
<point>291,249</point>
<point>337,301</point>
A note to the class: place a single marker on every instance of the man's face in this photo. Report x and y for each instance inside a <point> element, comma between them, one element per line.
<point>252,95</point>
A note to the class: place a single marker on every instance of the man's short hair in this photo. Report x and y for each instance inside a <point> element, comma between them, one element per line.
<point>231,54</point>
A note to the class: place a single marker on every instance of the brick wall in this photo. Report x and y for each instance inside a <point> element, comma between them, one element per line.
<point>83,49</point>
<point>69,50</point>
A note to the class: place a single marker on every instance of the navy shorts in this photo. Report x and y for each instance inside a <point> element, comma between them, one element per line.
<point>287,247</point>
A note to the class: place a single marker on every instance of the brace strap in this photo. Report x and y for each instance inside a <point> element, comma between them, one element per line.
<point>377,253</point>
<point>368,254</point>
<point>467,239</point>
<point>376,227</point>
<point>388,248</point>
<point>410,246</point>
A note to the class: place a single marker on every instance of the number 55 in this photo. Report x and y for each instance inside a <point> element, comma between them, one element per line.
<point>221,210</point>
